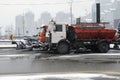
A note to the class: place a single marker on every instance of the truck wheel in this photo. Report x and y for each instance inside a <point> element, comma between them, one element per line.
<point>63,48</point>
<point>103,47</point>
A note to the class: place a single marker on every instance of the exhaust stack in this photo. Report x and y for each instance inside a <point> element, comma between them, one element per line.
<point>97,12</point>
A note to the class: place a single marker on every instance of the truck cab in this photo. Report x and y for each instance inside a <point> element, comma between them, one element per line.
<point>55,33</point>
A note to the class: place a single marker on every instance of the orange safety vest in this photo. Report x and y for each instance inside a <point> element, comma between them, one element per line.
<point>42,35</point>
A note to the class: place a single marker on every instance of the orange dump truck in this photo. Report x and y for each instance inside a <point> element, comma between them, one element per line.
<point>88,36</point>
<point>94,37</point>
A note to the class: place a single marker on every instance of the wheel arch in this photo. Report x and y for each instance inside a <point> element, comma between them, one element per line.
<point>101,41</point>
<point>64,40</point>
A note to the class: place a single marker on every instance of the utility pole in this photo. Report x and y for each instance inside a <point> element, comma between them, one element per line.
<point>71,4</point>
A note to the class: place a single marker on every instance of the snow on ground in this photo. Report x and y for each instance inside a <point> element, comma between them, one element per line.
<point>56,76</point>
<point>7,46</point>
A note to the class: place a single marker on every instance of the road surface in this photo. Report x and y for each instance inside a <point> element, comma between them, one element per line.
<point>36,65</point>
<point>21,62</point>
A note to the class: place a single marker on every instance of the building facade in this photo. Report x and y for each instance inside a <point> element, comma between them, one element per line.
<point>19,25</point>
<point>29,24</point>
<point>25,24</point>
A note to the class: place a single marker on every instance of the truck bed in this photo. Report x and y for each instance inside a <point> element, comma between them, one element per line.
<point>94,34</point>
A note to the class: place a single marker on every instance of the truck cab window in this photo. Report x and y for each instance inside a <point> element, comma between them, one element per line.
<point>58,28</point>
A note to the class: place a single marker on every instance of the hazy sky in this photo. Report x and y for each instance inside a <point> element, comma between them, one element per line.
<point>10,8</point>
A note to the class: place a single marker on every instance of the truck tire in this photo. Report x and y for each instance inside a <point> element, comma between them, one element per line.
<point>103,47</point>
<point>63,48</point>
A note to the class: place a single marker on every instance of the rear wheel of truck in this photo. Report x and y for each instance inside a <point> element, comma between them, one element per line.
<point>103,47</point>
<point>63,48</point>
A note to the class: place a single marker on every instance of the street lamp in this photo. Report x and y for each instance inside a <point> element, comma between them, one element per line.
<point>71,4</point>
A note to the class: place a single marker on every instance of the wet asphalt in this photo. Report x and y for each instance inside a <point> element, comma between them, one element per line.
<point>14,61</point>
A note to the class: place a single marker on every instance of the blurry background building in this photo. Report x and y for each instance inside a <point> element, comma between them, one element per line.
<point>110,12</point>
<point>25,24</point>
<point>19,25</point>
<point>28,24</point>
